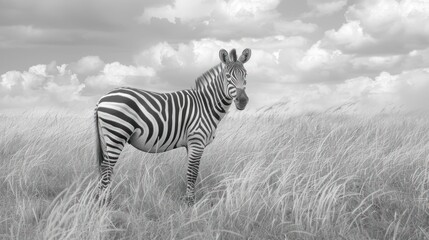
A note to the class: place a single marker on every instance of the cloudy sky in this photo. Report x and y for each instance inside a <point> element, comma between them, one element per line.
<point>313,54</point>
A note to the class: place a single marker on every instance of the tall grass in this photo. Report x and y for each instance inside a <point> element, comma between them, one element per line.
<point>314,176</point>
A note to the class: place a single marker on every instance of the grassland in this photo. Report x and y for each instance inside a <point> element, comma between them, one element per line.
<point>314,176</point>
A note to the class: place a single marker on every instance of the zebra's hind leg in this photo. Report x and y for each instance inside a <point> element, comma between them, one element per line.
<point>106,172</point>
<point>111,137</point>
<point>195,151</point>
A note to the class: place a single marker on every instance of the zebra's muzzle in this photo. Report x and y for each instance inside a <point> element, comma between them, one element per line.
<point>241,100</point>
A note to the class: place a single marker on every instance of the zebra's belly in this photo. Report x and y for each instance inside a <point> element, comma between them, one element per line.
<point>141,142</point>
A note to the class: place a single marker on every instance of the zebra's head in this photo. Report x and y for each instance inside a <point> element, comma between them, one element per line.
<point>235,75</point>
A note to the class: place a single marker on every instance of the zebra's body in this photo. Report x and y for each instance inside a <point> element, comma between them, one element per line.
<point>158,122</point>
<point>142,110</point>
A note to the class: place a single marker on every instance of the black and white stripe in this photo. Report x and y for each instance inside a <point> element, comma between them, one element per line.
<point>158,122</point>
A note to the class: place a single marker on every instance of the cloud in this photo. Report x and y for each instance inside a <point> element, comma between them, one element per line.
<point>416,59</point>
<point>376,63</point>
<point>11,83</point>
<point>381,35</point>
<point>317,57</point>
<point>116,75</point>
<point>320,64</point>
<point>383,26</point>
<point>180,64</point>
<point>312,75</point>
<point>64,93</point>
<point>228,19</point>
<point>276,59</point>
<point>323,8</point>
<point>87,65</point>
<point>234,11</point>
<point>386,92</point>
<point>181,10</point>
<point>53,85</point>
<point>38,87</point>
<point>76,85</point>
<point>407,90</point>
<point>350,36</point>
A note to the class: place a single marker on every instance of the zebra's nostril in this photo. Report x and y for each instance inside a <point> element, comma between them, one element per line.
<point>244,100</point>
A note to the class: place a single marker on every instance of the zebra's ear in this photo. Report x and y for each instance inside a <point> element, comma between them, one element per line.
<point>223,55</point>
<point>245,56</point>
<point>233,56</point>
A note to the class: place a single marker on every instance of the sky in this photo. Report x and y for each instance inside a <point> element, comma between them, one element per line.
<point>310,54</point>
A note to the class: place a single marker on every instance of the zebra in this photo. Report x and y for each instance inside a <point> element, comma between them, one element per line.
<point>157,122</point>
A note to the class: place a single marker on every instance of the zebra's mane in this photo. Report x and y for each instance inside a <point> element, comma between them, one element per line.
<point>208,77</point>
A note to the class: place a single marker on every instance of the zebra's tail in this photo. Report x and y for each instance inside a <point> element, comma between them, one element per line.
<point>98,141</point>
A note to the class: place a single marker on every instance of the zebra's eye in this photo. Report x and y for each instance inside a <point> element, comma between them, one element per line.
<point>228,76</point>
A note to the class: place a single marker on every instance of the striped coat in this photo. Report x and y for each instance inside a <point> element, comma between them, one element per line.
<point>158,122</point>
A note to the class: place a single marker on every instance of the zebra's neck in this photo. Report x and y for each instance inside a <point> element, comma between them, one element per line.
<point>211,89</point>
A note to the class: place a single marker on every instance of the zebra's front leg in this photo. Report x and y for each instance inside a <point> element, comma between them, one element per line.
<point>195,151</point>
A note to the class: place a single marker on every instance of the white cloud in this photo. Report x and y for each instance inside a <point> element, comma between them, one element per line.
<point>52,85</point>
<point>116,74</point>
<point>386,92</point>
<point>416,59</point>
<point>379,35</point>
<point>350,36</point>
<point>11,83</point>
<point>65,93</point>
<point>321,64</point>
<point>322,8</point>
<point>180,9</point>
<point>293,27</point>
<point>38,86</point>
<point>407,90</point>
<point>392,17</point>
<point>317,57</point>
<point>163,54</point>
<point>186,11</point>
<point>87,65</point>
<point>252,7</point>
<point>272,57</point>
<point>224,19</point>
<point>35,78</point>
<point>383,26</point>
<point>378,63</point>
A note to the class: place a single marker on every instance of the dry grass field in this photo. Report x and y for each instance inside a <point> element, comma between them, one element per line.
<point>312,176</point>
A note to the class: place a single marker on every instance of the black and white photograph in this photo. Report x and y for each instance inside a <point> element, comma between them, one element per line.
<point>214,119</point>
